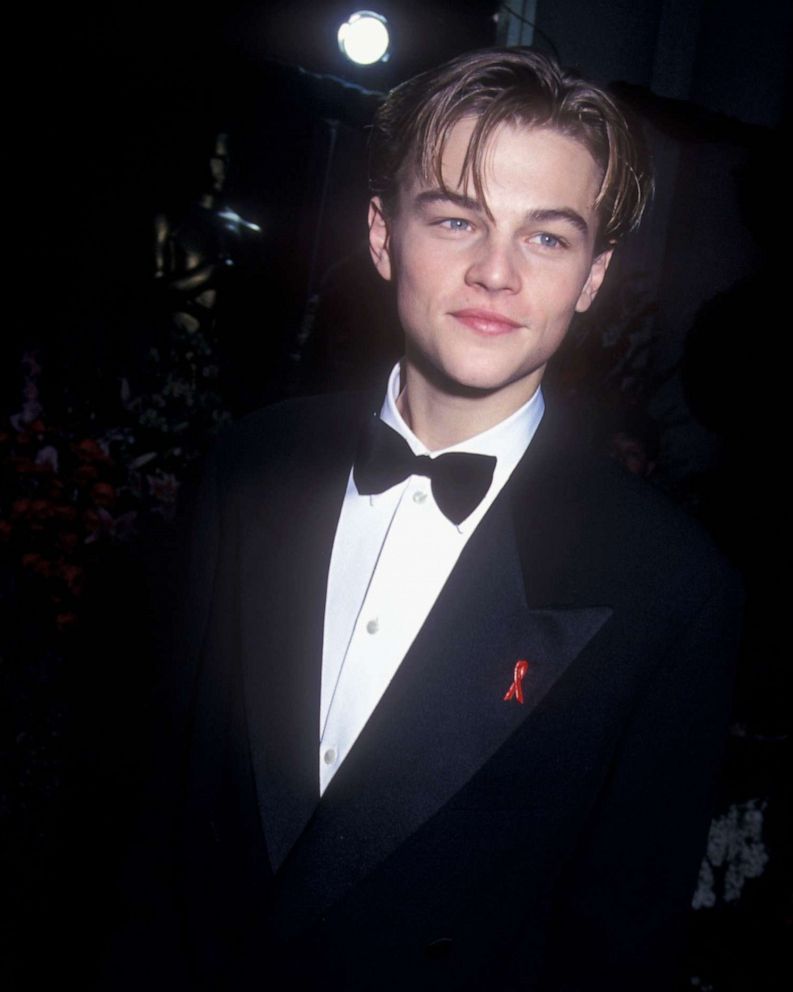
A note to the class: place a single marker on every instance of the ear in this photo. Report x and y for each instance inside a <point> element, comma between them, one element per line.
<point>594,280</point>
<point>379,238</point>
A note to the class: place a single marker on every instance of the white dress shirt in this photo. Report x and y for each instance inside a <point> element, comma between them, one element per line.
<point>392,555</point>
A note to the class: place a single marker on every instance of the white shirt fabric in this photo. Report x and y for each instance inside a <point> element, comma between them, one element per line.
<point>392,555</point>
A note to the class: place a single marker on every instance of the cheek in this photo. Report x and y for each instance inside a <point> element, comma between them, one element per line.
<point>424,260</point>
<point>556,297</point>
<point>421,281</point>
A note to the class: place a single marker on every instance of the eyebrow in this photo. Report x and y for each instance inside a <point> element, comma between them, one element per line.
<point>538,216</point>
<point>430,196</point>
<point>560,214</point>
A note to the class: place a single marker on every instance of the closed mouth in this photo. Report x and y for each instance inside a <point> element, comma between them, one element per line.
<point>486,321</point>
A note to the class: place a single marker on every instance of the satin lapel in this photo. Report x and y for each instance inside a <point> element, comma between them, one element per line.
<point>443,716</point>
<point>550,492</point>
<point>288,522</point>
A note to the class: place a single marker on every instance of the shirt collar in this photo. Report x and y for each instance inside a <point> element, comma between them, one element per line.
<point>507,440</point>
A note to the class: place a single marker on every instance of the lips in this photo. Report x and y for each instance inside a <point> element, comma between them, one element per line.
<point>486,321</point>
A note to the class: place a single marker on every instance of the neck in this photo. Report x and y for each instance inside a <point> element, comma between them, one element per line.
<point>441,418</point>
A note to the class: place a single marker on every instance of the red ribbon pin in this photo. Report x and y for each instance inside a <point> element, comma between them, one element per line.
<point>516,689</point>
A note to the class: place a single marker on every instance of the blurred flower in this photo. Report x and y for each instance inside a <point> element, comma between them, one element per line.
<point>163,486</point>
<point>26,466</point>
<point>20,507</point>
<point>101,524</point>
<point>48,458</point>
<point>103,494</point>
<point>37,564</point>
<point>90,450</point>
<point>41,511</point>
<point>70,495</point>
<point>92,522</point>
<point>64,511</point>
<point>65,620</point>
<point>73,577</point>
<point>85,474</point>
<point>27,415</point>
<point>142,460</point>
<point>30,364</point>
<point>68,541</point>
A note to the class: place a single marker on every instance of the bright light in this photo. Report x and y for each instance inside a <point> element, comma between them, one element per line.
<point>364,38</point>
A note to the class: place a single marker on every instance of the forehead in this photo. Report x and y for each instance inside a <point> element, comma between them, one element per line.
<point>515,160</point>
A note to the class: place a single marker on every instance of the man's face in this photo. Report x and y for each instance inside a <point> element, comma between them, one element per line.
<point>484,302</point>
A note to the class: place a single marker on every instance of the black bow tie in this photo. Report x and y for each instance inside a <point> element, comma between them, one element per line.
<point>459,480</point>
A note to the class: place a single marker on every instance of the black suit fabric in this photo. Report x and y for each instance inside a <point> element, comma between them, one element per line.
<point>466,842</point>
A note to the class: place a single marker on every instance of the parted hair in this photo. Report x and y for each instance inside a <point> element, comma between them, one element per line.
<point>508,86</point>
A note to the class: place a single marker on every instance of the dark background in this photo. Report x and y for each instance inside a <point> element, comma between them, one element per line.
<point>111,117</point>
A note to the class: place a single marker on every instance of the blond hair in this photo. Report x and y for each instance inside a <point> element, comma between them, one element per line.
<point>509,86</point>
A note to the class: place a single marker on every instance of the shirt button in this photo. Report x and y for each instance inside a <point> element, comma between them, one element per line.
<point>329,756</point>
<point>373,626</point>
<point>419,497</point>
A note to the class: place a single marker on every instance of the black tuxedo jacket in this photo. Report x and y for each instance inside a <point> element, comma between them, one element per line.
<point>467,842</point>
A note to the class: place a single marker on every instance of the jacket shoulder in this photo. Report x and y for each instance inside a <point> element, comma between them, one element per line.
<point>615,528</point>
<point>309,429</point>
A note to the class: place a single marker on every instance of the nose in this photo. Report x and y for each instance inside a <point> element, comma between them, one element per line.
<point>494,267</point>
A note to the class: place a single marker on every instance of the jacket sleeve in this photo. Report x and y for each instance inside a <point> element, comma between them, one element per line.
<point>622,924</point>
<point>147,925</point>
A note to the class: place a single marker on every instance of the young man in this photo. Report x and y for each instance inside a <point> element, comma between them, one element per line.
<point>455,692</point>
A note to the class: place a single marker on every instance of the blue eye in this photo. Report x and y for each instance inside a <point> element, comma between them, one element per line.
<point>455,224</point>
<point>549,240</point>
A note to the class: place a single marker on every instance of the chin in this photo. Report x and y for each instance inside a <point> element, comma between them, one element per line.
<point>486,377</point>
<point>483,382</point>
<point>475,374</point>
